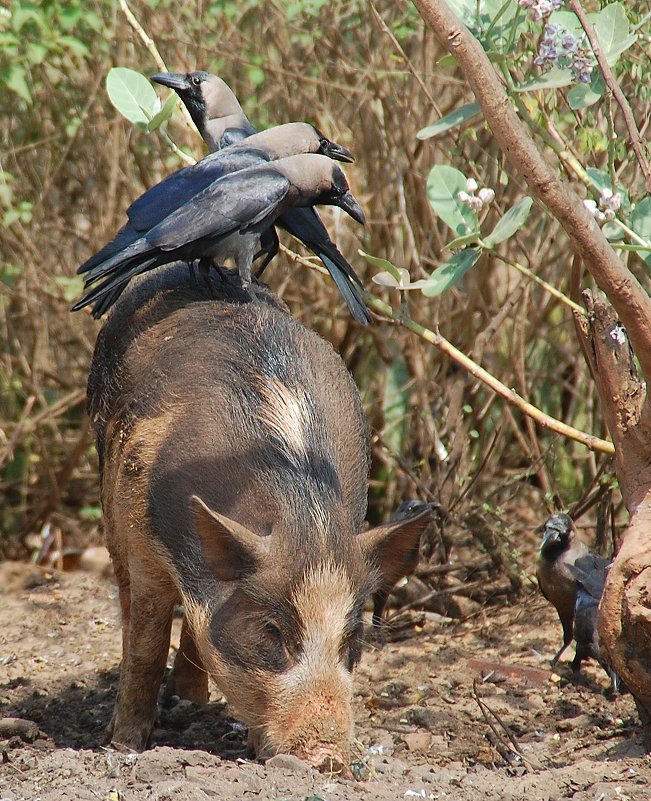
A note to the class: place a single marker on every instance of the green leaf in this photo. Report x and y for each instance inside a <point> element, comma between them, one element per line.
<point>15,78</point>
<point>451,120</point>
<point>611,25</point>
<point>599,178</point>
<point>612,231</point>
<point>641,224</point>
<point>447,60</point>
<point>553,79</point>
<point>443,185</point>
<point>386,265</point>
<point>23,13</point>
<point>132,95</point>
<point>69,17</point>
<point>585,94</point>
<point>164,114</point>
<point>511,222</point>
<point>462,241</point>
<point>453,271</point>
<point>76,46</point>
<point>10,273</point>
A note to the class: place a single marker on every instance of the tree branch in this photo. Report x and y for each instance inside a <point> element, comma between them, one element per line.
<point>623,290</point>
<point>633,133</point>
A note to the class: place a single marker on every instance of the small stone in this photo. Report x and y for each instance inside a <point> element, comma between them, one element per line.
<point>418,741</point>
<point>289,762</point>
<point>359,771</point>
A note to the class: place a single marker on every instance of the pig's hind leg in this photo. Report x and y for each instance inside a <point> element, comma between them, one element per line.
<point>189,678</point>
<point>147,602</point>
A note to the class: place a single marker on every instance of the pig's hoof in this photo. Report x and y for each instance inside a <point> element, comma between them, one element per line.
<point>124,748</point>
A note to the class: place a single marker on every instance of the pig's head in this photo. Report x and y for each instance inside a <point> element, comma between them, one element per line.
<point>281,631</point>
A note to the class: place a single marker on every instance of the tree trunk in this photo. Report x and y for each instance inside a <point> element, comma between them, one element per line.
<point>625,610</point>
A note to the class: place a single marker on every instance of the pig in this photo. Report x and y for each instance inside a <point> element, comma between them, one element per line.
<point>233,458</point>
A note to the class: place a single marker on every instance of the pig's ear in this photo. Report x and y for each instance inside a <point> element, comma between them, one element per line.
<point>393,547</point>
<point>229,549</point>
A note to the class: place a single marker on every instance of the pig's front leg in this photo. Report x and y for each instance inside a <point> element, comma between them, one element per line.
<point>146,646</point>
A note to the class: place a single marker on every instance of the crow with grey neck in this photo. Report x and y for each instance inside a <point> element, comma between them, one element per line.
<point>221,121</point>
<point>572,578</point>
<point>162,199</point>
<point>212,105</point>
<point>226,219</point>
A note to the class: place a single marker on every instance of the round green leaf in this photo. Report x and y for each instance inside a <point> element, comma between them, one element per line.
<point>132,95</point>
<point>443,185</point>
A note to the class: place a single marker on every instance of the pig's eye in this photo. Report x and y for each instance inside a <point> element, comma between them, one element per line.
<point>274,633</point>
<point>352,651</point>
<point>274,654</point>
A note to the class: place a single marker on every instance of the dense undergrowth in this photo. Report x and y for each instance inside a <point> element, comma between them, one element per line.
<point>369,76</point>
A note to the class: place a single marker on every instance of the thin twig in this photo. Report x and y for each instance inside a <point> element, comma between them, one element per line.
<point>544,284</point>
<point>155,54</point>
<point>629,120</point>
<point>510,395</point>
<point>436,339</point>
<point>386,30</point>
<point>514,746</point>
<point>458,590</point>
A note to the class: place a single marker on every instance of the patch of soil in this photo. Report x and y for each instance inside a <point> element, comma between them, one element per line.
<point>445,710</point>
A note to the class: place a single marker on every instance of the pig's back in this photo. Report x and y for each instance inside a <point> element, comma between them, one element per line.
<point>234,402</point>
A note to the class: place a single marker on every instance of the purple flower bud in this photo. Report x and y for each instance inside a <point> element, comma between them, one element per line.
<point>570,42</point>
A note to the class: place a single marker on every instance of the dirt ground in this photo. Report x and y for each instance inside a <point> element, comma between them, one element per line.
<point>446,710</point>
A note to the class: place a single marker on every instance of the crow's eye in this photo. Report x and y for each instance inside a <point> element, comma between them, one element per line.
<point>196,80</point>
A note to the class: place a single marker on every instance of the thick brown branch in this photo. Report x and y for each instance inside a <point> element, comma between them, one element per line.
<point>625,293</point>
<point>633,133</point>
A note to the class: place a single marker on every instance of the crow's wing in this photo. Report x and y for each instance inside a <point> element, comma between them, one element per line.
<point>235,202</point>
<point>178,188</point>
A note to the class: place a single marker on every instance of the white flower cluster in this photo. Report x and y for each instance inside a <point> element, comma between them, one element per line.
<point>475,201</point>
<point>609,203</point>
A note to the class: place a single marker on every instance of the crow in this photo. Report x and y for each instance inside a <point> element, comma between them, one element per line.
<point>589,589</point>
<point>227,218</point>
<point>160,200</point>
<point>220,120</point>
<point>561,554</point>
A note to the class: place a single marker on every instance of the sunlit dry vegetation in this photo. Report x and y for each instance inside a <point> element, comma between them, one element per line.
<point>368,76</point>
